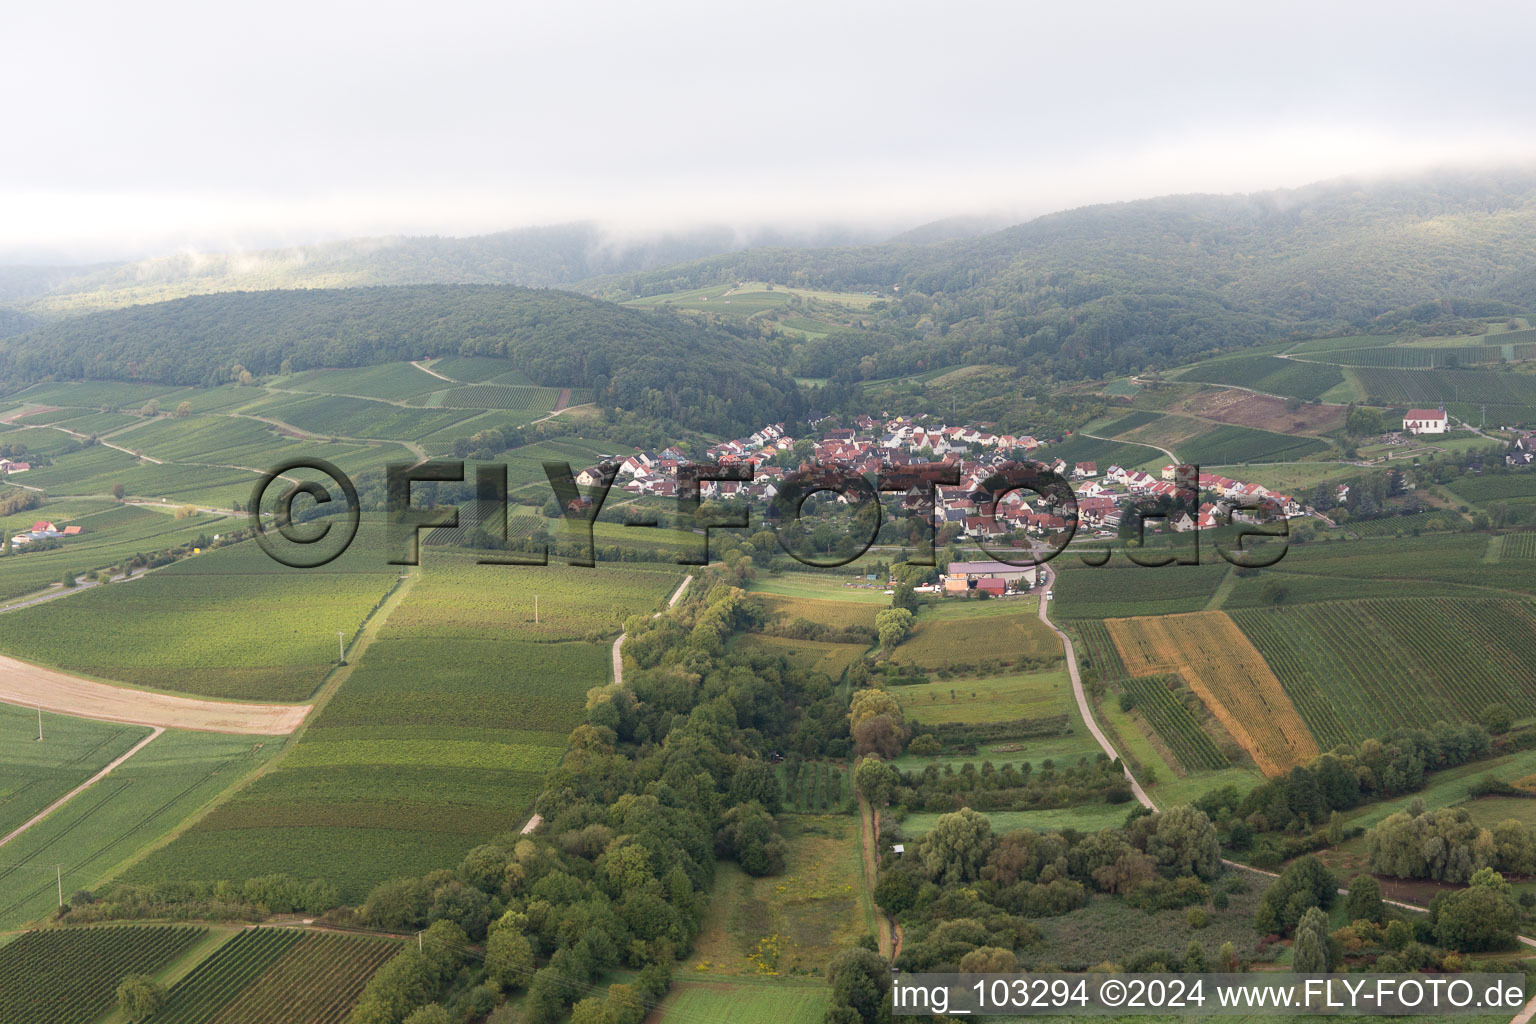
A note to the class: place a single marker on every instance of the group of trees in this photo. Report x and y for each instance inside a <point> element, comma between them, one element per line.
<point>1448,846</point>
<point>1346,777</point>
<point>1010,788</point>
<point>963,890</point>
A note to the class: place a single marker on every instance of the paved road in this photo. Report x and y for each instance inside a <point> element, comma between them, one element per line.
<point>1082,698</point>
<point>87,784</point>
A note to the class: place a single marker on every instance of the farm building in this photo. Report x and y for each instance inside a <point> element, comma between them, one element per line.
<point>1425,421</point>
<point>995,577</point>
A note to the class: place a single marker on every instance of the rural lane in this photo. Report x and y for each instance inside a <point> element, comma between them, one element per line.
<point>87,784</point>
<point>618,659</point>
<point>1082,698</point>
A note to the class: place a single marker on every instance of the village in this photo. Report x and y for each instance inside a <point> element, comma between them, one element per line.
<point>967,510</point>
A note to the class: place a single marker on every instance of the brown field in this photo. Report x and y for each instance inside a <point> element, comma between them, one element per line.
<point>1264,412</point>
<point>1229,675</point>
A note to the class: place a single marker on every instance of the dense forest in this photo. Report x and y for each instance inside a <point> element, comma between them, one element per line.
<point>1125,286</point>
<point>665,366</point>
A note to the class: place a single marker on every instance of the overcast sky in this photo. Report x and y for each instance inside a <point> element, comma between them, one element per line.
<point>140,128</point>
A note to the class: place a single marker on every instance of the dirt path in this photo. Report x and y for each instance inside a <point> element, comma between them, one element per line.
<point>87,784</point>
<point>618,659</point>
<point>1171,457</point>
<point>869,839</point>
<point>426,369</point>
<point>1082,698</point>
<point>32,686</point>
<point>563,401</point>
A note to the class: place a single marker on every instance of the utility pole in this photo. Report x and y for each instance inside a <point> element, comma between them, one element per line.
<point>535,609</point>
<point>418,942</point>
<point>60,869</point>
<point>341,649</point>
<point>39,723</point>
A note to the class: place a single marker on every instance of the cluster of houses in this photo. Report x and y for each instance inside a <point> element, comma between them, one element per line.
<point>8,466</point>
<point>871,446</point>
<point>43,530</point>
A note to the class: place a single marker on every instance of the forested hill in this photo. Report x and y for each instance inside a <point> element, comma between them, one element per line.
<point>539,257</point>
<point>1123,286</point>
<point>657,363</point>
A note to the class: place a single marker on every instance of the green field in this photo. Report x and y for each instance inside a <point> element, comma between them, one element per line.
<point>34,774</point>
<point>992,699</point>
<point>790,924</point>
<point>971,642</point>
<point>98,832</point>
<point>70,976</point>
<point>746,1001</point>
<point>175,630</point>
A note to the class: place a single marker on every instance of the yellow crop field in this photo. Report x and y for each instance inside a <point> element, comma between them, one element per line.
<point>1228,673</point>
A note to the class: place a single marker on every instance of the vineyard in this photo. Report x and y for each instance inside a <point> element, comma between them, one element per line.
<point>439,739</point>
<point>502,396</point>
<point>389,381</point>
<point>1175,723</point>
<point>1230,444</point>
<point>33,774</point>
<point>1128,422</point>
<point>1359,669</point>
<point>270,974</point>
<point>113,821</point>
<point>1402,357</point>
<point>174,633</point>
<point>1289,378</point>
<point>1096,654</point>
<point>1122,588</point>
<point>1518,545</point>
<point>1495,487</point>
<point>1213,656</point>
<point>479,370</point>
<point>68,976</point>
<point>1427,388</point>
